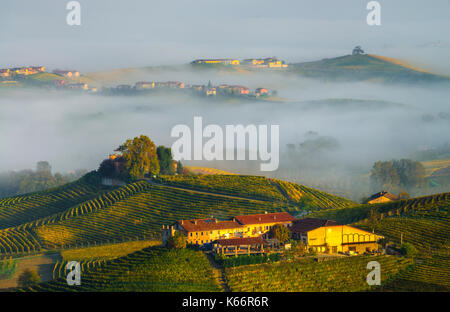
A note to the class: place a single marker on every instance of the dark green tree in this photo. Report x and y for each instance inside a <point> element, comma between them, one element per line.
<point>179,167</point>
<point>165,160</point>
<point>280,232</point>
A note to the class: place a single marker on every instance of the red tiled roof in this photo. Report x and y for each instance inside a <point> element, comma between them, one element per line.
<point>240,241</point>
<point>265,218</point>
<point>309,224</point>
<point>207,225</point>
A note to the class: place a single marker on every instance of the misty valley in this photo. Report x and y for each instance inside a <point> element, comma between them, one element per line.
<point>332,132</point>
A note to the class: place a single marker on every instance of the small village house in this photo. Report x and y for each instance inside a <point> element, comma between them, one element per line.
<point>216,61</point>
<point>78,86</point>
<point>4,72</point>
<point>381,197</point>
<point>143,85</point>
<point>67,73</point>
<point>261,91</point>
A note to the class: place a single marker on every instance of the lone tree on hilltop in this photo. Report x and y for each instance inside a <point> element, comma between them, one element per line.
<point>140,156</point>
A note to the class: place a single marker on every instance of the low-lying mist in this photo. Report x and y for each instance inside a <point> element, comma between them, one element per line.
<point>329,132</point>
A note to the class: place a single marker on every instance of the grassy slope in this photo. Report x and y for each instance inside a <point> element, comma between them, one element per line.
<point>364,67</point>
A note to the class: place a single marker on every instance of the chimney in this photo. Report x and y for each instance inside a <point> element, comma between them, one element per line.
<point>265,212</point>
<point>195,222</point>
<point>274,217</point>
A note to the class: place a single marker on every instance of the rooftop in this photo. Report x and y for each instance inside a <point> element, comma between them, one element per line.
<point>265,218</point>
<point>309,224</point>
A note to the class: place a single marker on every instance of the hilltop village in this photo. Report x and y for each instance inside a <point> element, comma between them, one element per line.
<point>73,80</point>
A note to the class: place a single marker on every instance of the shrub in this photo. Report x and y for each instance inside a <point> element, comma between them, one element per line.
<point>408,250</point>
<point>28,278</point>
<point>177,241</point>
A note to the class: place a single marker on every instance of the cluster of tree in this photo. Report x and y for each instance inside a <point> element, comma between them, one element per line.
<point>140,158</point>
<point>397,175</point>
<point>26,181</point>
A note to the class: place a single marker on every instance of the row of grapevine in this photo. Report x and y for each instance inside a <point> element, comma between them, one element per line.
<point>314,198</point>
<point>343,274</point>
<point>253,187</point>
<point>151,269</point>
<point>39,205</point>
<point>25,239</point>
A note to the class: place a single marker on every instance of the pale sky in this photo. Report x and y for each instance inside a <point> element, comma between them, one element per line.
<point>133,33</point>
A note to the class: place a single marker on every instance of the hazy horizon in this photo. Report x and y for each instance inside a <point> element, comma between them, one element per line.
<point>116,34</point>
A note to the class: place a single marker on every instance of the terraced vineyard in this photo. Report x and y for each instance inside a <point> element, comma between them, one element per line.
<point>240,185</point>
<point>152,269</point>
<point>430,274</point>
<point>428,235</point>
<point>259,188</point>
<point>133,211</point>
<point>298,193</point>
<point>343,274</point>
<point>423,207</point>
<point>21,209</point>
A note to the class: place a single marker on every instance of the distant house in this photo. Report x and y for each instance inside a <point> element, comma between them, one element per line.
<point>210,92</point>
<point>381,197</point>
<point>269,62</point>
<point>143,85</point>
<point>4,72</point>
<point>19,71</point>
<point>36,69</point>
<point>261,91</point>
<point>239,89</point>
<point>78,86</point>
<point>216,61</point>
<point>67,73</point>
<point>327,236</point>
<point>169,84</point>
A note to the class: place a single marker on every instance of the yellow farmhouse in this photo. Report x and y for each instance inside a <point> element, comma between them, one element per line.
<point>328,236</point>
<point>203,231</point>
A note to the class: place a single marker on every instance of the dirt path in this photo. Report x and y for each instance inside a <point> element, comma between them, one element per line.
<point>218,273</point>
<point>42,264</point>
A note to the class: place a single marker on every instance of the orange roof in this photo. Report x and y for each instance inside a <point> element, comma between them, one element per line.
<point>265,218</point>
<point>207,225</point>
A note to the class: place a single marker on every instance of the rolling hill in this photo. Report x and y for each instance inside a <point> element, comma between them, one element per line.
<point>365,67</point>
<point>78,215</point>
<point>83,214</point>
